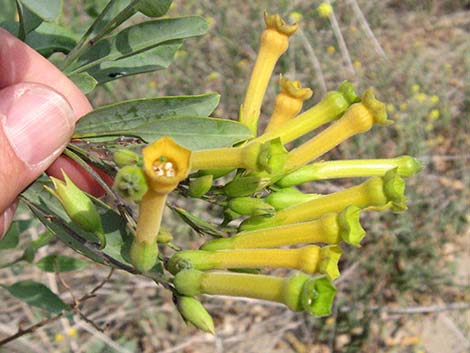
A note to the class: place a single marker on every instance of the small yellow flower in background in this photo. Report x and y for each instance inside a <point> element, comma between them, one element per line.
<point>434,114</point>
<point>331,49</point>
<point>243,63</point>
<point>296,16</point>
<point>325,9</point>
<point>403,107</point>
<point>448,67</point>
<point>210,20</point>
<point>428,127</point>
<point>353,29</point>
<point>390,108</point>
<point>59,337</point>
<point>421,97</point>
<point>152,84</point>
<point>181,54</point>
<point>213,76</point>
<point>434,99</point>
<point>72,332</point>
<point>415,88</point>
<point>357,64</point>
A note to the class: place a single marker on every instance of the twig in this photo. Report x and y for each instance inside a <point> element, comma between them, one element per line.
<point>414,310</point>
<point>315,62</point>
<point>103,337</point>
<point>366,28</point>
<point>46,321</point>
<point>342,44</point>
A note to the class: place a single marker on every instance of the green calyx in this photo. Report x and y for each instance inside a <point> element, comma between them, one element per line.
<point>346,88</point>
<point>272,156</point>
<point>218,244</point>
<point>245,185</point>
<point>125,157</point>
<point>408,166</point>
<point>192,311</point>
<point>188,282</point>
<point>164,236</point>
<point>317,296</point>
<point>250,206</point>
<point>188,259</point>
<point>350,229</point>
<point>200,186</point>
<point>130,183</point>
<point>143,255</point>
<point>288,197</point>
<point>328,264</point>
<point>394,189</point>
<point>292,291</point>
<point>78,206</point>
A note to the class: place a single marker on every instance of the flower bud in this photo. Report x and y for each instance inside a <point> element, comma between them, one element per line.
<point>130,183</point>
<point>288,197</point>
<point>250,206</point>
<point>126,157</point>
<point>164,236</point>
<point>143,255</point>
<point>78,206</point>
<point>200,186</point>
<point>192,310</point>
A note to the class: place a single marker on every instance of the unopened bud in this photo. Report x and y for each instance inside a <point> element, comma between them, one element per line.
<point>250,206</point>
<point>130,183</point>
<point>200,186</point>
<point>288,197</point>
<point>143,255</point>
<point>192,311</point>
<point>126,157</point>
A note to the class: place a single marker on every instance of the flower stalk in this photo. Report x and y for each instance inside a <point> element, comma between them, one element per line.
<point>360,117</point>
<point>288,102</point>
<point>274,42</point>
<point>309,259</point>
<point>330,228</point>
<point>406,167</point>
<point>376,192</point>
<point>299,292</point>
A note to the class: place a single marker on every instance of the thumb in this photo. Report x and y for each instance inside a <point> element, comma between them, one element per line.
<point>36,123</point>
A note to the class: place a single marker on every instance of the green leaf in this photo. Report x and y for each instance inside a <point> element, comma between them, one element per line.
<point>132,113</point>
<point>31,21</point>
<point>8,12</point>
<point>151,60</point>
<point>84,81</point>
<point>48,10</point>
<point>38,295</point>
<point>49,38</point>
<point>139,38</point>
<point>199,225</point>
<point>60,263</point>
<point>11,238</point>
<point>154,8</point>
<point>194,133</point>
<point>94,7</point>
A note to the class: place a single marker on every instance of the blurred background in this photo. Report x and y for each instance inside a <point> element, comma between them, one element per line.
<point>407,289</point>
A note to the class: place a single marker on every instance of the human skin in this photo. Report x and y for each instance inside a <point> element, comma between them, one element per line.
<point>39,107</point>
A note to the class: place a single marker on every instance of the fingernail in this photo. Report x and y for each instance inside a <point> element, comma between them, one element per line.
<point>6,218</point>
<point>39,123</point>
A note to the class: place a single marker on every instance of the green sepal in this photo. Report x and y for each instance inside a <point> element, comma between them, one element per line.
<point>288,197</point>
<point>143,255</point>
<point>130,183</point>
<point>124,157</point>
<point>243,186</point>
<point>408,166</point>
<point>317,296</point>
<point>188,282</point>
<point>394,189</point>
<point>251,206</point>
<point>192,311</point>
<point>292,291</point>
<point>200,186</point>
<point>164,236</point>
<point>218,244</point>
<point>350,229</point>
<point>346,88</point>
<point>272,156</point>
<point>376,108</point>
<point>188,259</point>
<point>329,258</point>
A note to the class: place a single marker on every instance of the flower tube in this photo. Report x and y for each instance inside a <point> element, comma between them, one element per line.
<point>309,259</point>
<point>299,292</point>
<point>274,42</point>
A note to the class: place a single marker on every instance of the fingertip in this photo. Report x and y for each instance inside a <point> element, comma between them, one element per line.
<point>6,218</point>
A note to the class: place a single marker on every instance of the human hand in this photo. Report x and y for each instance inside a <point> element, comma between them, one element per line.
<point>39,107</point>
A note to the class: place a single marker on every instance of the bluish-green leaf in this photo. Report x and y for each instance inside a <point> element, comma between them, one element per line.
<point>60,263</point>
<point>194,133</point>
<point>151,60</point>
<point>132,113</point>
<point>49,38</point>
<point>38,295</point>
<point>8,12</point>
<point>11,238</point>
<point>139,38</point>
<point>48,10</point>
<point>84,81</point>
<point>31,21</point>
<point>154,8</point>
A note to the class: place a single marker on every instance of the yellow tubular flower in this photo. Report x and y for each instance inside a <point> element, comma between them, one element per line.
<point>274,42</point>
<point>288,102</point>
<point>165,164</point>
<point>360,117</point>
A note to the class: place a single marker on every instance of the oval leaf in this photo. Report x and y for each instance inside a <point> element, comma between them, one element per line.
<point>130,114</point>
<point>48,10</point>
<point>38,295</point>
<point>154,8</point>
<point>60,263</point>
